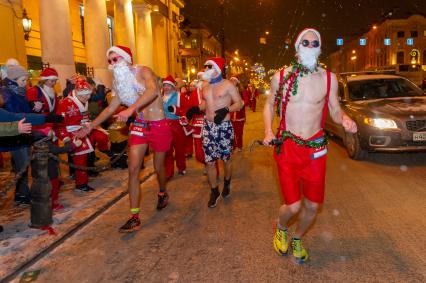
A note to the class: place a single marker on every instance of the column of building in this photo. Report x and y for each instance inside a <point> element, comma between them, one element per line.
<point>56,39</point>
<point>96,39</point>
<point>144,41</point>
<point>124,32</point>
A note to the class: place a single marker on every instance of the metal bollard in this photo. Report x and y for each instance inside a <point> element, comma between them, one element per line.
<point>41,204</point>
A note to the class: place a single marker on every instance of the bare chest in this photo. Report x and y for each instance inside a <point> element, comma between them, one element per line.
<point>310,90</point>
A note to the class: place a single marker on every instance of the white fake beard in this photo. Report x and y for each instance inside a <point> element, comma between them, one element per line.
<point>49,91</point>
<point>207,75</point>
<point>125,82</point>
<point>308,57</point>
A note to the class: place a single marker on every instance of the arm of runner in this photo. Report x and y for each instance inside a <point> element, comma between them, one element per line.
<point>106,113</point>
<point>237,102</point>
<point>336,112</point>
<point>268,110</point>
<point>148,96</point>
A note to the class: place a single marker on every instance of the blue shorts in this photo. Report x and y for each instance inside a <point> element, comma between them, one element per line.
<point>217,140</point>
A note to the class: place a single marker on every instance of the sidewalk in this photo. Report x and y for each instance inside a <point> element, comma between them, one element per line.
<point>20,244</point>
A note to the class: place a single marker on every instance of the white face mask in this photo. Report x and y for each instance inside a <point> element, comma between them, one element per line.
<point>308,57</point>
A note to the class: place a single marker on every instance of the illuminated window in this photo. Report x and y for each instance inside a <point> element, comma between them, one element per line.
<point>194,43</point>
<point>414,33</point>
<point>110,23</point>
<point>82,23</point>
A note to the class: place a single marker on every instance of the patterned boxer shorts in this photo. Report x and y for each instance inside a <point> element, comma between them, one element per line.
<point>217,140</point>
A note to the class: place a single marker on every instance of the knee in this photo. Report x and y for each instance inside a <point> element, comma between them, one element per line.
<point>210,164</point>
<point>293,208</point>
<point>133,170</point>
<point>311,207</point>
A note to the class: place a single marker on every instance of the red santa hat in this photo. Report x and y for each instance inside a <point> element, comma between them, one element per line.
<point>82,87</point>
<point>169,80</point>
<point>302,33</point>
<point>236,78</point>
<point>49,74</point>
<point>123,51</point>
<point>218,63</point>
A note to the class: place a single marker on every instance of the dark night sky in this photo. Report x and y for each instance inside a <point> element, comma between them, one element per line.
<point>246,20</point>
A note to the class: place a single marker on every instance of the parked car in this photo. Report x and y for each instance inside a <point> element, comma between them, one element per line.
<point>390,112</point>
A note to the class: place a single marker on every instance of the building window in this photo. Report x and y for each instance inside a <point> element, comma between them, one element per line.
<point>401,34</point>
<point>194,43</point>
<point>414,33</point>
<point>400,57</point>
<point>110,22</point>
<point>424,57</point>
<point>82,23</point>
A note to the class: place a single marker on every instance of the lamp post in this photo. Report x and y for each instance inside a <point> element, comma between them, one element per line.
<point>26,25</point>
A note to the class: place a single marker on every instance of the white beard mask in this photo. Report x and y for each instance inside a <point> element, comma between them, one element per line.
<point>49,91</point>
<point>207,75</point>
<point>125,84</point>
<point>308,57</point>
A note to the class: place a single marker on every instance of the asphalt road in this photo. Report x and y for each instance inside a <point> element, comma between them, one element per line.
<point>370,229</point>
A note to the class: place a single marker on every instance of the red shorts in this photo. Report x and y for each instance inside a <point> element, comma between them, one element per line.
<point>301,165</point>
<point>155,133</point>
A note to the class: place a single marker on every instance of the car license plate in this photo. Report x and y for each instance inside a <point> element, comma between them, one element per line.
<point>419,136</point>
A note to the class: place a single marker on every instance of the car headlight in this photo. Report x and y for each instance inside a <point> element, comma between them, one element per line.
<point>381,123</point>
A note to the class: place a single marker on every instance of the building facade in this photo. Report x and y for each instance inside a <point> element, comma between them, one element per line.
<point>74,35</point>
<point>393,43</point>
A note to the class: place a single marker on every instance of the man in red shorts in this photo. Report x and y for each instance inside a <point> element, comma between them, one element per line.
<point>302,92</point>
<point>136,87</point>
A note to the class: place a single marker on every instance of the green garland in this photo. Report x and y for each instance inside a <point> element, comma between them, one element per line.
<point>300,141</point>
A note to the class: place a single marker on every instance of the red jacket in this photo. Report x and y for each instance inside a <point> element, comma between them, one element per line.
<point>75,114</point>
<point>36,93</point>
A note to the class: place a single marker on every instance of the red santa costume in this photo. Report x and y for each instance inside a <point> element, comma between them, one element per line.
<point>184,106</point>
<point>238,120</point>
<point>254,94</point>
<point>46,95</point>
<point>75,115</point>
<point>172,108</point>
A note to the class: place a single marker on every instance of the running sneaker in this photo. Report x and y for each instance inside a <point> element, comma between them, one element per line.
<point>299,252</point>
<point>214,197</point>
<point>182,173</point>
<point>280,241</point>
<point>163,200</point>
<point>133,224</point>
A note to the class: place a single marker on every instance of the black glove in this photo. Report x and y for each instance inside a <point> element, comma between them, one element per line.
<point>53,118</point>
<point>171,109</point>
<point>220,115</point>
<point>192,111</point>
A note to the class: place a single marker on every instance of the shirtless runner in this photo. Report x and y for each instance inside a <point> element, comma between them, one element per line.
<point>303,92</point>
<point>220,97</point>
<point>136,87</point>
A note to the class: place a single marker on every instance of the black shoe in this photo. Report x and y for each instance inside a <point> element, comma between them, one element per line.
<point>214,197</point>
<point>163,201</point>
<point>84,188</point>
<point>226,192</point>
<point>182,173</point>
<point>133,224</point>
<point>22,200</point>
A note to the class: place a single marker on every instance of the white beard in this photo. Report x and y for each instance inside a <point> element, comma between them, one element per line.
<point>308,57</point>
<point>125,84</point>
<point>49,91</point>
<point>207,75</point>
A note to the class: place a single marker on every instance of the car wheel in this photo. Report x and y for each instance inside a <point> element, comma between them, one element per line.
<point>353,147</point>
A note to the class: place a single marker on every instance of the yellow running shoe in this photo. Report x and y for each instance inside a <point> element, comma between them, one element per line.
<point>299,252</point>
<point>280,241</point>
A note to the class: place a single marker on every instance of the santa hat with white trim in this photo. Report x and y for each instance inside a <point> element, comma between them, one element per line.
<point>236,78</point>
<point>82,87</point>
<point>302,33</point>
<point>123,51</point>
<point>218,63</point>
<point>169,80</point>
<point>49,74</point>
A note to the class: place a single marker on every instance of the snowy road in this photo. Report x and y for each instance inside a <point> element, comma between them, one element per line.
<point>370,229</point>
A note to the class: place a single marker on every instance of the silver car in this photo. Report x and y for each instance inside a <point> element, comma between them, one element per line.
<point>390,112</point>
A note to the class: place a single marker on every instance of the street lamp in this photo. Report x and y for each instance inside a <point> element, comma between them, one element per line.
<point>26,24</point>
